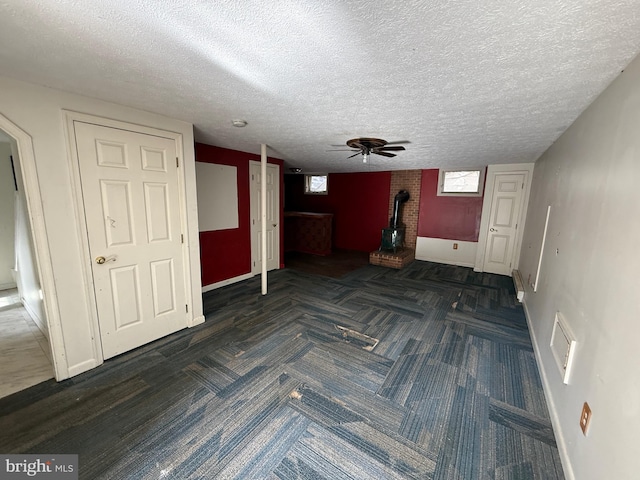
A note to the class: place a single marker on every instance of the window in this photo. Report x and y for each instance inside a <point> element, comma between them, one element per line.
<point>316,184</point>
<point>462,183</point>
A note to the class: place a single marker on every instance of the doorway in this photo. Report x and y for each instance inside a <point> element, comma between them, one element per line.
<point>25,353</point>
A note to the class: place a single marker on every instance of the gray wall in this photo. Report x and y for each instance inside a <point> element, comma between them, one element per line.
<point>591,179</point>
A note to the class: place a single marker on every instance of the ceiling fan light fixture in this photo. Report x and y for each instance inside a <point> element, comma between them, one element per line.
<point>366,146</point>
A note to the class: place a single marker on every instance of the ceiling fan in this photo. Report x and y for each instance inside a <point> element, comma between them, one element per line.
<point>367,146</point>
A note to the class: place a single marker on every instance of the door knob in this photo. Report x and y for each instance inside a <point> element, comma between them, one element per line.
<point>275,225</point>
<point>493,229</point>
<point>100,260</point>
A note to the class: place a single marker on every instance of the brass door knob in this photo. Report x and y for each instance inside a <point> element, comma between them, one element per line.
<point>100,260</point>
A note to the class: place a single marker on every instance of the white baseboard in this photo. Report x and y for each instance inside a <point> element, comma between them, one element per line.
<point>440,250</point>
<point>36,319</point>
<point>553,413</point>
<point>7,286</point>
<point>196,321</point>
<point>82,367</point>
<point>228,281</point>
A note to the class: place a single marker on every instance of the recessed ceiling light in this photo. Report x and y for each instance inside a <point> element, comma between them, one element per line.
<point>239,123</point>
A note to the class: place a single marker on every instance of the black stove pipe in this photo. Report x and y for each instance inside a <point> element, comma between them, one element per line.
<point>401,197</point>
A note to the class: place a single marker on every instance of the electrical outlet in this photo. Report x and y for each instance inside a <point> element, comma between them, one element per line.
<point>455,246</point>
<point>585,418</point>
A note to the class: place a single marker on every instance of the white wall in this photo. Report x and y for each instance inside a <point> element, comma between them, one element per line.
<point>440,250</point>
<point>591,179</point>
<point>7,221</point>
<point>27,276</point>
<point>38,111</point>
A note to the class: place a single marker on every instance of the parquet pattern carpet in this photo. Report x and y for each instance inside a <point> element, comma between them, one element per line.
<point>423,373</point>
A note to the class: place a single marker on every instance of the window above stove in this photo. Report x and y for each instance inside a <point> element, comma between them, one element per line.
<point>461,183</point>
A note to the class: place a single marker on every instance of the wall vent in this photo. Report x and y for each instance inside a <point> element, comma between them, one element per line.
<point>563,344</point>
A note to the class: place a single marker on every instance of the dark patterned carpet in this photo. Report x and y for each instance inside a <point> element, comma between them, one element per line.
<point>423,373</point>
<point>336,265</point>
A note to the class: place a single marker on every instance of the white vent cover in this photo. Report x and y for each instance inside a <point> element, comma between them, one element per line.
<point>562,346</point>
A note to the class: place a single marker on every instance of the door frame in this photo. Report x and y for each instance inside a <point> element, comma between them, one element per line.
<point>487,201</point>
<point>42,258</point>
<point>81,226</point>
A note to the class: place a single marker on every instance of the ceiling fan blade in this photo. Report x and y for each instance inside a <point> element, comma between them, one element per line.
<point>384,154</point>
<point>399,142</point>
<point>342,150</point>
<point>383,149</point>
<point>355,154</point>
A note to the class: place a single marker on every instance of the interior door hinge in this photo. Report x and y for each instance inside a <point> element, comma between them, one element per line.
<point>182,236</point>
<point>186,307</point>
<point>177,163</point>
<point>522,185</point>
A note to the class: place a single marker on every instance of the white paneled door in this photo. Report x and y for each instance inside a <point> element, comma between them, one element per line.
<point>503,223</point>
<point>273,217</point>
<point>132,209</point>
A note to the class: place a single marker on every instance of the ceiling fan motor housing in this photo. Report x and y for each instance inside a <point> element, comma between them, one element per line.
<point>366,143</point>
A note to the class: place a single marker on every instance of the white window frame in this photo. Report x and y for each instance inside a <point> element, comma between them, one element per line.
<point>441,175</point>
<point>307,183</point>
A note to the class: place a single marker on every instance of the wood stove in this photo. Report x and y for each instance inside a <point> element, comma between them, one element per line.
<point>393,236</point>
<point>392,239</point>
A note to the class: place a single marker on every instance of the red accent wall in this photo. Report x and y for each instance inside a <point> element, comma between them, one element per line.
<point>358,201</point>
<point>226,254</point>
<point>451,218</point>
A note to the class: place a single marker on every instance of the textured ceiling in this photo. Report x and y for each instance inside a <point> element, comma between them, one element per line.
<point>467,83</point>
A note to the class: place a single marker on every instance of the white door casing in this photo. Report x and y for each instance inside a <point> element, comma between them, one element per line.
<point>503,214</point>
<point>131,198</point>
<point>273,216</point>
<point>42,257</point>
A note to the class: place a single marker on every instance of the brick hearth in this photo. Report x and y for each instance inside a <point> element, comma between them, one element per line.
<point>392,260</point>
